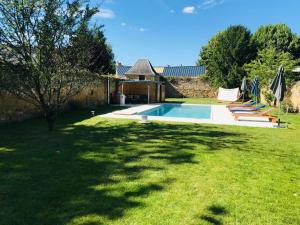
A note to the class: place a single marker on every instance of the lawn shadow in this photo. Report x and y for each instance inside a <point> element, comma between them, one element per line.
<point>98,169</point>
<point>213,215</point>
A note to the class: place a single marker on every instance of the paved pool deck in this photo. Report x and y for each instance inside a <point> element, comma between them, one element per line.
<point>220,115</point>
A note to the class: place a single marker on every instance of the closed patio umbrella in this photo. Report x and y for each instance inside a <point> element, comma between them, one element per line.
<point>255,88</point>
<point>244,87</point>
<point>278,87</point>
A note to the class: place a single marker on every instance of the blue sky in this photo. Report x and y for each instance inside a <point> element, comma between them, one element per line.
<point>171,32</point>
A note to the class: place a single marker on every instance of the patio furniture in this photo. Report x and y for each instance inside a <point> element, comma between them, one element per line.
<point>229,95</point>
<point>245,104</point>
<point>247,109</point>
<point>259,114</point>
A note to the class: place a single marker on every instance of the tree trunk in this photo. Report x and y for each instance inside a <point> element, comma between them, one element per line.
<point>50,118</point>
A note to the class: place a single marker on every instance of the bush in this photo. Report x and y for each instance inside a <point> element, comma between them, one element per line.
<point>269,97</point>
<point>287,106</point>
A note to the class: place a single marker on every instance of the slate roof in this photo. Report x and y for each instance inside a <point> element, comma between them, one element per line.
<point>170,71</point>
<point>183,71</point>
<point>121,70</point>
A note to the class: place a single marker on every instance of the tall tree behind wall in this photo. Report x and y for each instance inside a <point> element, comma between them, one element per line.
<point>225,54</point>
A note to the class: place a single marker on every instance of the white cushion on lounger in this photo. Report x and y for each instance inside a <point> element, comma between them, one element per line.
<point>228,94</point>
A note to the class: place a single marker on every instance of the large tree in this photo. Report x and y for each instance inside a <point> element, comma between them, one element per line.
<point>278,36</point>
<point>90,50</point>
<point>225,54</point>
<point>35,50</point>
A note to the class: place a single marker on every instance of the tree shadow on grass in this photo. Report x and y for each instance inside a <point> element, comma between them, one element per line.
<point>214,213</point>
<point>98,169</point>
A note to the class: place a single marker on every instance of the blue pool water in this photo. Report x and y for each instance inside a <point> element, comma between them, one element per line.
<point>177,110</point>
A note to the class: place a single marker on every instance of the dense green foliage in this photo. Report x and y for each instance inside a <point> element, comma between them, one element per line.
<point>278,36</point>
<point>36,54</point>
<point>90,50</point>
<point>233,53</point>
<point>266,65</point>
<point>111,171</point>
<point>225,54</point>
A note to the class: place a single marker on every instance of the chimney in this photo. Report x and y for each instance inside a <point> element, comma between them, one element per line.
<point>118,64</point>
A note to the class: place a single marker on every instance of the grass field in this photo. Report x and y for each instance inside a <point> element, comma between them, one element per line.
<point>104,171</point>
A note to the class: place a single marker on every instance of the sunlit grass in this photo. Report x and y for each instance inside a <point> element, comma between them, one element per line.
<point>108,171</point>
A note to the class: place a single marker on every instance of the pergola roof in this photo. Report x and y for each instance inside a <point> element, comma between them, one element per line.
<point>142,67</point>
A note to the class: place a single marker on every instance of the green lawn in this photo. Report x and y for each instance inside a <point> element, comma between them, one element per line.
<point>103,171</point>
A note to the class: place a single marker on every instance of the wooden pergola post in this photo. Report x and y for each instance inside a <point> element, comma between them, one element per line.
<point>148,93</point>
<point>108,91</point>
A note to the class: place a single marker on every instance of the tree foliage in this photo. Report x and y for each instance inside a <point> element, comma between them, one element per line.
<point>278,36</point>
<point>91,51</point>
<point>267,63</point>
<point>225,54</point>
<point>36,51</point>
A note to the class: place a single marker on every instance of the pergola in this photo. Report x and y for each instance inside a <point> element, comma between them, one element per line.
<point>141,73</point>
<point>148,82</point>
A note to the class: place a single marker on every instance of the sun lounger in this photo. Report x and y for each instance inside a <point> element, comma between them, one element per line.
<point>247,109</point>
<point>259,114</point>
<point>245,104</point>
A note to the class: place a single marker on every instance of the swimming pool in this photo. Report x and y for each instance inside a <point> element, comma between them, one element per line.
<point>179,110</point>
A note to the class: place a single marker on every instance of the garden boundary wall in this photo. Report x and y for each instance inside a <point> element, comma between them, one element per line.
<point>188,87</point>
<point>14,109</point>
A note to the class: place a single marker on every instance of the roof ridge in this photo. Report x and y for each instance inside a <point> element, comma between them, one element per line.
<point>142,67</point>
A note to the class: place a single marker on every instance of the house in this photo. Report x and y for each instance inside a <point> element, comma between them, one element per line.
<point>141,83</point>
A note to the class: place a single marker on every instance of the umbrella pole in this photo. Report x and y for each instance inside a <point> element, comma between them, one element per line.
<point>279,109</point>
<point>287,113</point>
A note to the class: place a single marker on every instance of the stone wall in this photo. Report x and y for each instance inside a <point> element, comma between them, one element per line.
<point>295,96</point>
<point>292,97</point>
<point>179,87</point>
<point>14,109</point>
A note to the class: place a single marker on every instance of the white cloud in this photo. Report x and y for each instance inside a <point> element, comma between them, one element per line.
<point>106,14</point>
<point>133,27</point>
<point>210,3</point>
<point>189,9</point>
<point>142,29</point>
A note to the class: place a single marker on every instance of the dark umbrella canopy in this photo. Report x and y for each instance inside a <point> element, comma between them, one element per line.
<point>255,87</point>
<point>244,85</point>
<point>278,85</point>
